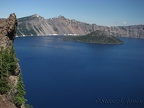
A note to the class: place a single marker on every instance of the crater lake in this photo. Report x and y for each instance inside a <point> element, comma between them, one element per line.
<point>62,74</point>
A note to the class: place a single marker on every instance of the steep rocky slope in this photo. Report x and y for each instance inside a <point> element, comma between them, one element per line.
<point>37,25</point>
<point>11,85</point>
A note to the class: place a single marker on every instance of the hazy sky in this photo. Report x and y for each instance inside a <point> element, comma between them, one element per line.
<point>101,12</point>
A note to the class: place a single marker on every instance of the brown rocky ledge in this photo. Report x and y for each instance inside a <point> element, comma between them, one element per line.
<point>5,103</point>
<point>8,31</point>
<point>7,35</point>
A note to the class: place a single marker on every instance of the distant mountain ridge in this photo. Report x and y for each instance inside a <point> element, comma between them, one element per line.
<point>36,25</point>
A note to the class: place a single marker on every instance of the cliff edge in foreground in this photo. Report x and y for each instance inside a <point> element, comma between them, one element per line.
<point>11,85</point>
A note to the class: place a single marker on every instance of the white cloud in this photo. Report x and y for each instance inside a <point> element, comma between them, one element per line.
<point>124,23</point>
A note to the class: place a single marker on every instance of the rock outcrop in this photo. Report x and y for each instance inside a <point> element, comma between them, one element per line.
<point>36,25</point>
<point>7,31</point>
<point>10,78</point>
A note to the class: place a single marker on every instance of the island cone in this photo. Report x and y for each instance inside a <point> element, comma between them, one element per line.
<point>98,37</point>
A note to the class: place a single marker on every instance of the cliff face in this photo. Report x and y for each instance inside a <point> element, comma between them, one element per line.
<point>11,86</point>
<point>37,25</point>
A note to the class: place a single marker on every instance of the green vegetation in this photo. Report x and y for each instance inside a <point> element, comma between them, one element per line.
<point>55,29</point>
<point>9,61</point>
<point>8,65</point>
<point>99,37</point>
<point>4,86</point>
<point>19,97</point>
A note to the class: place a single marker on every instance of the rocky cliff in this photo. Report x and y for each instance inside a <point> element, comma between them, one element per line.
<point>37,25</point>
<point>11,85</point>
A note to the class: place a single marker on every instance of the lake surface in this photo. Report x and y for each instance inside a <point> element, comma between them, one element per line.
<point>60,74</point>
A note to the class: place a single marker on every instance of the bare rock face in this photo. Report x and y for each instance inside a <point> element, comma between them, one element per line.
<point>7,36</point>
<point>5,103</point>
<point>8,31</point>
<point>36,25</point>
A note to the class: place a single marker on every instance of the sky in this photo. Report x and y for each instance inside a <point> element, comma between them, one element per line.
<point>100,12</point>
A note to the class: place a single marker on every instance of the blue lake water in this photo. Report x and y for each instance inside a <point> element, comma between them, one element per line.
<point>60,74</point>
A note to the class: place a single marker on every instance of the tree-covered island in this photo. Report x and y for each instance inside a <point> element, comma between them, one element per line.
<point>98,37</point>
